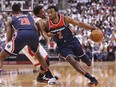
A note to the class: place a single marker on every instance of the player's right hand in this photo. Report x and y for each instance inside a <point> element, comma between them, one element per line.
<point>50,34</point>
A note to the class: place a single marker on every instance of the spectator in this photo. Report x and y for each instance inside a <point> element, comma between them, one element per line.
<point>110,50</point>
<point>96,51</point>
<point>88,49</point>
<point>81,10</point>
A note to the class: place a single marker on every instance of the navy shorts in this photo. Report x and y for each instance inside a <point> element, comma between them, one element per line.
<point>23,38</point>
<point>71,48</point>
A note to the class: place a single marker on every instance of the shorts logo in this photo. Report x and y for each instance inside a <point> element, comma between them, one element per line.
<point>8,46</point>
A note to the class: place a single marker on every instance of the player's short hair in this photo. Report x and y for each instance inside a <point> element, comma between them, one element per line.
<point>16,7</point>
<point>37,8</point>
<point>53,7</point>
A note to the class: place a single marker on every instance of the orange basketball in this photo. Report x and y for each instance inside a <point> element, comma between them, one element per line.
<point>96,35</point>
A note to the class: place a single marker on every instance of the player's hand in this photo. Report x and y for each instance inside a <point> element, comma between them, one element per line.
<point>96,28</point>
<point>50,34</point>
<point>48,41</point>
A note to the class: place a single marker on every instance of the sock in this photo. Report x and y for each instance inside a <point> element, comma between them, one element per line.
<point>87,75</point>
<point>48,74</point>
<point>40,75</point>
<point>41,68</point>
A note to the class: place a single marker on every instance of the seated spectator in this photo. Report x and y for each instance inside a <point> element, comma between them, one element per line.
<point>110,50</point>
<point>88,49</point>
<point>103,50</point>
<point>102,54</point>
<point>96,51</point>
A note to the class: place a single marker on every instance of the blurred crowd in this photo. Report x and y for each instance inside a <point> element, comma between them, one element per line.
<point>94,12</point>
<point>101,15</point>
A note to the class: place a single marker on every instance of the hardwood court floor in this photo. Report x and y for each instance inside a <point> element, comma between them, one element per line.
<point>23,76</point>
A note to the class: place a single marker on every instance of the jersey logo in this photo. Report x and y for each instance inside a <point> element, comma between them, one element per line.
<point>8,46</point>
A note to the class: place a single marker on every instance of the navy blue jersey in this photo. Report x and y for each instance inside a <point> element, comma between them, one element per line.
<point>62,32</point>
<point>25,35</point>
<point>66,42</point>
<point>22,22</point>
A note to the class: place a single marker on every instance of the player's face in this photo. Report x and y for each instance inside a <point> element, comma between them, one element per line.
<point>42,14</point>
<point>51,14</point>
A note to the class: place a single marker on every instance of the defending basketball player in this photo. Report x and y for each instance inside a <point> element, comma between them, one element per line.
<point>47,76</point>
<point>26,33</point>
<point>57,26</point>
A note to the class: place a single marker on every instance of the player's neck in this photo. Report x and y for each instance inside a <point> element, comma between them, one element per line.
<point>56,20</point>
<point>18,13</point>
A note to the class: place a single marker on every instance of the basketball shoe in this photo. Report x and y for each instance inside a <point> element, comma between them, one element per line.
<point>45,79</point>
<point>42,78</point>
<point>93,81</point>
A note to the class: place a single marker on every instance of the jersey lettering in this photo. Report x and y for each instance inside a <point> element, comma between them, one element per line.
<point>24,21</point>
<point>60,35</point>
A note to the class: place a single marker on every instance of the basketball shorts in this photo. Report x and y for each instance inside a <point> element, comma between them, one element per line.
<point>22,39</point>
<point>27,51</point>
<point>72,48</point>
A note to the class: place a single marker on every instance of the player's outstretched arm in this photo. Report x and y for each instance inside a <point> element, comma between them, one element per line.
<point>77,23</point>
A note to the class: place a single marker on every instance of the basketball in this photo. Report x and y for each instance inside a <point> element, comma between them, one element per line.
<point>96,35</point>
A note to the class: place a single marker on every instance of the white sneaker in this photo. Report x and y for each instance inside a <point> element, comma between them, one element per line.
<point>52,81</point>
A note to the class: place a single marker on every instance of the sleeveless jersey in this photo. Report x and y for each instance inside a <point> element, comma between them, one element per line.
<point>62,32</point>
<point>36,19</point>
<point>23,22</point>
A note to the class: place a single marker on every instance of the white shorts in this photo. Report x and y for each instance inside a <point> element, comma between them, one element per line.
<point>26,50</point>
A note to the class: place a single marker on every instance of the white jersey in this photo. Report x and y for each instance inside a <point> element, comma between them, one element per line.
<point>36,19</point>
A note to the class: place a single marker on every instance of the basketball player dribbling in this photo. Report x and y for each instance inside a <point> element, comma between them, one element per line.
<point>57,27</point>
<point>26,33</point>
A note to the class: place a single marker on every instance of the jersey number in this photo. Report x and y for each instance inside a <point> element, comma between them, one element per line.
<point>24,21</point>
<point>60,35</point>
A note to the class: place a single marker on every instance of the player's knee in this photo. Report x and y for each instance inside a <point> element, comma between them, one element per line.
<point>71,59</point>
<point>86,59</point>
